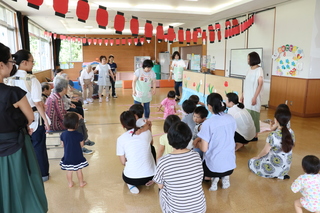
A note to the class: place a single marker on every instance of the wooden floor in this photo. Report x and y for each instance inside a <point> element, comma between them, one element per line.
<point>106,191</point>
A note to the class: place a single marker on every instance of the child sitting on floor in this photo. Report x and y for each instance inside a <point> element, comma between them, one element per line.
<point>169,104</point>
<point>179,174</point>
<point>309,185</point>
<point>164,147</point>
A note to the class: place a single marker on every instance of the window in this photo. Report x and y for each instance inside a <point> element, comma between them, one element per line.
<point>40,48</point>
<point>70,52</point>
<point>7,28</point>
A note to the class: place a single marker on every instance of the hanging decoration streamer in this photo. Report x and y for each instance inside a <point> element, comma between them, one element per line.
<point>35,4</point>
<point>102,17</point>
<point>119,22</point>
<point>60,7</point>
<point>82,10</point>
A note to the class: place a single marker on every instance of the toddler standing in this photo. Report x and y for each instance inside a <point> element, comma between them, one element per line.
<point>309,185</point>
<point>169,104</point>
<point>72,142</point>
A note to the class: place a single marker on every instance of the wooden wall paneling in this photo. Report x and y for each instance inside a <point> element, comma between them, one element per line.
<point>278,91</point>
<point>313,97</point>
<point>296,95</point>
<point>218,72</point>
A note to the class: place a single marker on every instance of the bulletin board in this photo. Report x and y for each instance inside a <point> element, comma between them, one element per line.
<point>223,85</point>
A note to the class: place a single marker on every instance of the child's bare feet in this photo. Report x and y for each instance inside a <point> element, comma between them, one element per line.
<point>83,184</point>
<point>70,184</point>
<point>150,182</point>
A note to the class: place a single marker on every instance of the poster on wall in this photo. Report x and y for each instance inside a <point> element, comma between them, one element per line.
<point>288,60</point>
<point>138,60</point>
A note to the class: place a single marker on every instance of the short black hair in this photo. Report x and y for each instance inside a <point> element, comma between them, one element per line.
<point>202,111</point>
<point>128,120</point>
<point>215,101</point>
<point>21,55</point>
<point>194,98</point>
<point>174,55</point>
<point>283,106</point>
<point>102,57</point>
<point>147,63</point>
<point>137,109</point>
<point>254,59</point>
<point>171,94</point>
<point>110,56</point>
<point>188,106</point>
<point>179,135</point>
<point>171,119</point>
<point>45,86</point>
<point>311,164</point>
<point>71,120</point>
<point>233,97</point>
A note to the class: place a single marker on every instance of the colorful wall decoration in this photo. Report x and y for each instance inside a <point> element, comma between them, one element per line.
<point>287,60</point>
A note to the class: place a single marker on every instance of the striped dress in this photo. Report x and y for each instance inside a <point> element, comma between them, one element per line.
<point>181,176</point>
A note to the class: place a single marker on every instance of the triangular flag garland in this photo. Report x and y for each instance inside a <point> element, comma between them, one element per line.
<point>232,27</point>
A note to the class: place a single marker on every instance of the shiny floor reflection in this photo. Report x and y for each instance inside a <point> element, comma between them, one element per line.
<point>106,191</point>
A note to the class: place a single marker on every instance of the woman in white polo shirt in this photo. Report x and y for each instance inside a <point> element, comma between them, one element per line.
<point>246,129</point>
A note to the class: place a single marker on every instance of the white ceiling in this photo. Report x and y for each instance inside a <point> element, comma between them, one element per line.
<point>182,13</point>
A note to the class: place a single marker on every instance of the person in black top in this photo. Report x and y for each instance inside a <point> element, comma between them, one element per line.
<point>113,67</point>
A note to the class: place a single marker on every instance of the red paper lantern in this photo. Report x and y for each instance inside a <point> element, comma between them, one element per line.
<point>211,36</point>
<point>79,39</point>
<point>73,39</point>
<point>111,41</point>
<point>50,34</point>
<point>134,26</point>
<point>54,35</point>
<point>123,41</point>
<point>100,41</point>
<point>102,17</point>
<point>210,27</point>
<point>82,11</point>
<point>136,40</point>
<point>118,41</point>
<point>148,28</point>
<point>106,41</point>
<point>35,3</point>
<point>171,34</point>
<point>180,35</point>
<point>227,31</point>
<point>217,26</point>
<point>236,29</point>
<point>129,41</point>
<point>89,41</point>
<point>195,36</point>
<point>95,41</point>
<point>119,21</point>
<point>69,38</point>
<point>204,37</point>
<point>142,40</point>
<point>84,40</point>
<point>60,7</point>
<point>165,37</point>
<point>199,31</point>
<point>160,35</point>
<point>188,36</point>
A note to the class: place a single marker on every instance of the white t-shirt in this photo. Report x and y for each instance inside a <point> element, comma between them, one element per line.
<point>245,124</point>
<point>86,75</point>
<point>136,149</point>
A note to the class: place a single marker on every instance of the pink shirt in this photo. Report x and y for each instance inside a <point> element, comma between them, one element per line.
<point>168,107</point>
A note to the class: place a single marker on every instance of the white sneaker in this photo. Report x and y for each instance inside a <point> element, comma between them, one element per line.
<point>85,102</point>
<point>100,100</point>
<point>133,189</point>
<point>226,182</point>
<point>214,184</point>
<point>107,99</point>
<point>90,100</point>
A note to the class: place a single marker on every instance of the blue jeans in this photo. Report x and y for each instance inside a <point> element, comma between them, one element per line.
<point>146,107</point>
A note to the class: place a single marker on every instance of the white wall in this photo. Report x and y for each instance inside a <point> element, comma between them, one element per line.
<point>294,25</point>
<point>314,71</point>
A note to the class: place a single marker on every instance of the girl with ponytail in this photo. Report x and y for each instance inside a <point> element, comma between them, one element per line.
<point>246,129</point>
<point>135,154</point>
<point>274,161</point>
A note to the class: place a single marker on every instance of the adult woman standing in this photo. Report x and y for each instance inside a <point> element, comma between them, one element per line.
<point>177,67</point>
<point>104,80</point>
<point>86,81</point>
<point>252,90</point>
<point>113,67</point>
<point>21,181</point>
<point>217,141</point>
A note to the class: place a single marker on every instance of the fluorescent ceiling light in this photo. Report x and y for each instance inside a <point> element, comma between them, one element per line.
<point>154,6</point>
